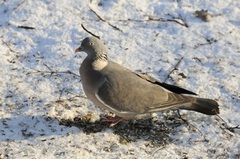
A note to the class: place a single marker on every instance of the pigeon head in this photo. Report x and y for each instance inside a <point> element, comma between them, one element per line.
<point>93,46</point>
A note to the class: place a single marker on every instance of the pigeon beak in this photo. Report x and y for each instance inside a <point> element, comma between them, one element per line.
<point>79,49</point>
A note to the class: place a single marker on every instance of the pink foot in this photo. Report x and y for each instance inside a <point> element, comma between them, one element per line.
<point>114,120</point>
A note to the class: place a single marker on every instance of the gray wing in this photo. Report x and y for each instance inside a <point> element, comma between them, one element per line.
<point>169,87</point>
<point>125,91</point>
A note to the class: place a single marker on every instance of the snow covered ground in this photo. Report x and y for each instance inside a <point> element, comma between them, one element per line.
<point>43,109</point>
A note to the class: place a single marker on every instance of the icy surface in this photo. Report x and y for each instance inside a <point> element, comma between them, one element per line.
<point>43,109</point>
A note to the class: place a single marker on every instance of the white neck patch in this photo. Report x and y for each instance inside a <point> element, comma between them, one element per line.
<point>99,64</point>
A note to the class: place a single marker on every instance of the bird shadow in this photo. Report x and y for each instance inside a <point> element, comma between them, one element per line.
<point>154,132</point>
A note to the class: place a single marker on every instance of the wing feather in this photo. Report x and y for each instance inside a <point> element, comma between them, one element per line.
<point>169,87</point>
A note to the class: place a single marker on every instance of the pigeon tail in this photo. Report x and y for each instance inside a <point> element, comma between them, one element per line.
<point>205,106</point>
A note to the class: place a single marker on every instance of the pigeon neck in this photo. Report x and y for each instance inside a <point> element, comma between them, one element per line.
<point>100,61</point>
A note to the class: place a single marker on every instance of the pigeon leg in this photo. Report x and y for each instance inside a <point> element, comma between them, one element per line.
<point>114,120</point>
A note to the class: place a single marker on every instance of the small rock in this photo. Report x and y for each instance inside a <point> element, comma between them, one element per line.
<point>203,15</point>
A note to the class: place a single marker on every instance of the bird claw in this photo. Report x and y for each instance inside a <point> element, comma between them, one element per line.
<point>114,120</point>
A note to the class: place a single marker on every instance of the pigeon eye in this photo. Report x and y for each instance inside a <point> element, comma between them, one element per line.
<point>91,43</point>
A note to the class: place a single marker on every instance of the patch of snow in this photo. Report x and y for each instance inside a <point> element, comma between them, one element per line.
<point>40,86</point>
